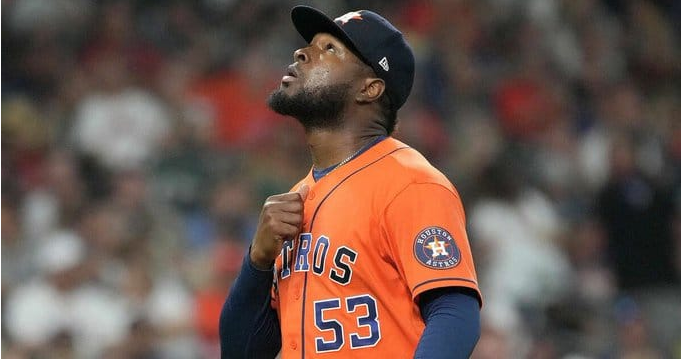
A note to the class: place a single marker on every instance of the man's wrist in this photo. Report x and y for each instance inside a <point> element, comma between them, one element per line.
<point>259,262</point>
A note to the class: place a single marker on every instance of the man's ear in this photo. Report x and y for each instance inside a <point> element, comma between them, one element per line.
<point>372,90</point>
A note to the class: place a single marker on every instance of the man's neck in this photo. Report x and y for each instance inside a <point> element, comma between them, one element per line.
<point>330,147</point>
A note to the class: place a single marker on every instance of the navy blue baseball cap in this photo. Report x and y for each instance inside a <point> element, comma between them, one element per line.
<point>370,36</point>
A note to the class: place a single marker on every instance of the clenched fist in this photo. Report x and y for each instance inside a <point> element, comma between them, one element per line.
<point>280,219</point>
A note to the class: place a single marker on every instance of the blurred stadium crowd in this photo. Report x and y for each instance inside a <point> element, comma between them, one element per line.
<point>137,150</point>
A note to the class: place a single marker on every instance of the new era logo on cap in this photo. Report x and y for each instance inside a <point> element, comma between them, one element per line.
<point>384,63</point>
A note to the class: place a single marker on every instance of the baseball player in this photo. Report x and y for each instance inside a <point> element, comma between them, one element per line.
<point>367,256</point>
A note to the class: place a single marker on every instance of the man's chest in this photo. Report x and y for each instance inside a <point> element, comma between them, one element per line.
<point>340,238</point>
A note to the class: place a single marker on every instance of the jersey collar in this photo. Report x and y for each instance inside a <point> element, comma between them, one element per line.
<point>364,159</point>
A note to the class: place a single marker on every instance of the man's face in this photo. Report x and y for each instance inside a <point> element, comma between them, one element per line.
<point>320,83</point>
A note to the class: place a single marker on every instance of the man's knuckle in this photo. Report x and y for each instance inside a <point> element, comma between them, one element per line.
<point>266,216</point>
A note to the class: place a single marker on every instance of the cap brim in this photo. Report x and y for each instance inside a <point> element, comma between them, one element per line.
<point>309,22</point>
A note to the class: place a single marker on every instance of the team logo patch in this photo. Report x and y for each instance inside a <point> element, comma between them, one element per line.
<point>435,248</point>
<point>353,15</point>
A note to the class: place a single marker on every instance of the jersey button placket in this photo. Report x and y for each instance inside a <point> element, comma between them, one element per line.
<point>293,345</point>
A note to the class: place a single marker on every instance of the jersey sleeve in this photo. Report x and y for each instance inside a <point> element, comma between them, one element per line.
<point>426,237</point>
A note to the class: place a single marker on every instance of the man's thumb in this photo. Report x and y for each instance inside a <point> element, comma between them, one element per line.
<point>303,191</point>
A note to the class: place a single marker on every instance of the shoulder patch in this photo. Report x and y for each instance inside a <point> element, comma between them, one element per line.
<point>435,248</point>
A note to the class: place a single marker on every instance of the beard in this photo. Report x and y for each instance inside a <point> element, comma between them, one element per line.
<point>317,108</point>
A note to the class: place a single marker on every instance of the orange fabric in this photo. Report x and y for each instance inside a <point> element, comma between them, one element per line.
<point>241,115</point>
<point>375,207</point>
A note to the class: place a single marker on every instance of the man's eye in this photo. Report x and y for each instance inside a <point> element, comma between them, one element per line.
<point>330,47</point>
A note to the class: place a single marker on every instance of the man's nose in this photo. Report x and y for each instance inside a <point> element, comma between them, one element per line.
<point>300,56</point>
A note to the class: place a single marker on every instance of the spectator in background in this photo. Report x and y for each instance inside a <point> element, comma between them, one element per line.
<point>587,251</point>
<point>524,271</point>
<point>26,136</point>
<point>121,126</point>
<point>58,199</point>
<point>62,305</point>
<point>638,217</point>
<point>161,308</point>
<point>224,265</point>
<point>633,334</point>
<point>16,251</point>
<point>517,229</point>
<point>149,226</point>
<point>235,99</point>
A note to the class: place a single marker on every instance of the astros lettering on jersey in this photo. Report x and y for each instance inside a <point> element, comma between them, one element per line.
<point>377,233</point>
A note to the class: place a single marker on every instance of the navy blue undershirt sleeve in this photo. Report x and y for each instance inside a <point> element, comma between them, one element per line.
<point>248,326</point>
<point>452,329</point>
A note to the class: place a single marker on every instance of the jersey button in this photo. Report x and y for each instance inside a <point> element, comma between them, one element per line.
<point>292,345</point>
<point>311,195</point>
<point>297,295</point>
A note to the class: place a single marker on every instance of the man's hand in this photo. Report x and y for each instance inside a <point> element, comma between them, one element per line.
<point>281,218</point>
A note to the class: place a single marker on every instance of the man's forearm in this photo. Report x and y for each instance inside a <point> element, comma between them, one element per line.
<point>248,326</point>
<point>452,327</point>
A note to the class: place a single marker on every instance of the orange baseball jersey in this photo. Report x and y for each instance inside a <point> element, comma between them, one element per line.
<point>377,232</point>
